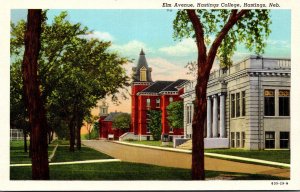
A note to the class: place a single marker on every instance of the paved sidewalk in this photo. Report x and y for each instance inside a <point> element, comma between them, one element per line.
<point>178,158</point>
<point>72,162</point>
<point>229,157</point>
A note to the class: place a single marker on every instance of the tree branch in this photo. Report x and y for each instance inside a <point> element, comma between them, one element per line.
<point>234,17</point>
<point>198,32</point>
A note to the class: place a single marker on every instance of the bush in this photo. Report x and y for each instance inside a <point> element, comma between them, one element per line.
<point>155,124</point>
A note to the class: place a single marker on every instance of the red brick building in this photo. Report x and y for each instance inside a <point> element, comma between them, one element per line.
<point>106,128</point>
<point>148,95</point>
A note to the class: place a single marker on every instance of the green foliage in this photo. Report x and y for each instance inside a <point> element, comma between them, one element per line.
<point>74,72</point>
<point>122,121</point>
<point>175,114</point>
<point>155,124</point>
<point>252,30</point>
<point>92,126</point>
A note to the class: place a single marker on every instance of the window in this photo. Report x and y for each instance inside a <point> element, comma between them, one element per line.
<point>232,140</point>
<point>143,76</point>
<point>171,129</point>
<point>269,102</point>
<point>270,140</point>
<point>238,139</point>
<point>147,122</point>
<point>157,102</point>
<point>148,102</point>
<point>170,99</point>
<point>243,103</point>
<point>284,103</point>
<point>103,111</point>
<point>148,127</point>
<point>243,139</point>
<point>284,140</point>
<point>238,105</point>
<point>232,105</point>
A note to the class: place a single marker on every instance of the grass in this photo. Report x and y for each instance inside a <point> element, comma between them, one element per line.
<point>17,154</point>
<point>151,143</point>
<point>112,170</point>
<point>281,156</point>
<point>125,171</point>
<point>60,142</point>
<point>63,154</point>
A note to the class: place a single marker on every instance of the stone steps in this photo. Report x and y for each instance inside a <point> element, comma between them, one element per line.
<point>185,145</point>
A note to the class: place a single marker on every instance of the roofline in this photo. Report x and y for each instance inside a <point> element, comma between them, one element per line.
<point>151,85</point>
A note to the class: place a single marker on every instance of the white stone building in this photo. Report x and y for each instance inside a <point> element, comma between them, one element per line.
<point>248,105</point>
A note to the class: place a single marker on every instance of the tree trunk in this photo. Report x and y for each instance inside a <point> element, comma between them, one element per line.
<point>205,62</point>
<point>198,171</point>
<point>51,136</point>
<point>36,110</point>
<point>78,128</point>
<point>30,147</point>
<point>72,134</point>
<point>25,141</point>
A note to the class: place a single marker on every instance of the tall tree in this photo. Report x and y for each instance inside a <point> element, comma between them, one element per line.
<point>226,28</point>
<point>18,113</point>
<point>34,104</point>
<point>74,72</point>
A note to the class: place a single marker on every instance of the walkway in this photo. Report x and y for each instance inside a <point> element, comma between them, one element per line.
<point>179,159</point>
<point>71,162</point>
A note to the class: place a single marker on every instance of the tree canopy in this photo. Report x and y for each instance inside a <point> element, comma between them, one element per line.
<point>155,124</point>
<point>217,34</point>
<point>74,71</point>
<point>122,121</point>
<point>251,29</point>
<point>175,114</point>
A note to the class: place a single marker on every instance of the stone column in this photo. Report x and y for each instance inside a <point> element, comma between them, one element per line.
<point>215,116</point>
<point>222,116</point>
<point>208,121</point>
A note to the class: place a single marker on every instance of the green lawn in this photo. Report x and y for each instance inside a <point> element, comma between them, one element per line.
<point>282,156</point>
<point>124,171</point>
<point>17,154</point>
<point>63,154</point>
<point>108,171</point>
<point>61,142</point>
<point>151,143</point>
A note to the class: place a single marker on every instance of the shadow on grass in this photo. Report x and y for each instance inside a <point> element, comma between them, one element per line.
<point>127,171</point>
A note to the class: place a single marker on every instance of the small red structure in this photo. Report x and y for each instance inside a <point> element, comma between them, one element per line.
<point>106,129</point>
<point>148,95</point>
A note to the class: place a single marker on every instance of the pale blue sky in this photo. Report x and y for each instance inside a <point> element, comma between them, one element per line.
<point>131,30</point>
<point>154,29</point>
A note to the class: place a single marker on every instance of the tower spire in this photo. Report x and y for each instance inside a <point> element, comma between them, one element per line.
<point>142,72</point>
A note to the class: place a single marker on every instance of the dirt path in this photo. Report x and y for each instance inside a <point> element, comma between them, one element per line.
<point>178,159</point>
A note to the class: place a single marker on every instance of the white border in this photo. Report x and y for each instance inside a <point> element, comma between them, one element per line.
<point>6,184</point>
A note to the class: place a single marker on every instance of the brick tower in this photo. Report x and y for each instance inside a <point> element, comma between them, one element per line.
<point>140,80</point>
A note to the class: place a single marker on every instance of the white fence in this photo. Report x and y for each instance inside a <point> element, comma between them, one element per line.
<point>16,134</point>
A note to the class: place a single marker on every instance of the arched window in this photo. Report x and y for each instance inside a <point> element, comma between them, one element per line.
<point>143,74</point>
<point>170,99</point>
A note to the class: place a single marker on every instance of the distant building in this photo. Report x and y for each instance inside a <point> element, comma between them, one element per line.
<point>248,105</point>
<point>148,95</point>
